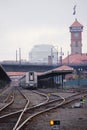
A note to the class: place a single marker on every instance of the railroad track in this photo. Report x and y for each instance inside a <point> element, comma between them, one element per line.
<point>13,116</point>
<point>12,103</point>
<point>34,111</point>
<point>6,98</point>
<point>4,94</point>
<point>25,109</point>
<point>14,122</point>
<point>8,101</point>
<point>43,109</point>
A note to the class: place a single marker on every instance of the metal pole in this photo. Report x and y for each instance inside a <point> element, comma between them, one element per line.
<point>52,55</point>
<point>19,55</point>
<point>68,57</point>
<point>61,56</point>
<point>16,56</point>
<point>57,56</point>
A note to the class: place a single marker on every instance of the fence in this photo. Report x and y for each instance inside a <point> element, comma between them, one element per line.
<point>76,82</point>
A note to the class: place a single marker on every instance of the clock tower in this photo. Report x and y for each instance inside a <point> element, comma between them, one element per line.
<point>76,37</point>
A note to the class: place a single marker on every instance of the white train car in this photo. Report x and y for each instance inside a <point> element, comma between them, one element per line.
<point>29,80</point>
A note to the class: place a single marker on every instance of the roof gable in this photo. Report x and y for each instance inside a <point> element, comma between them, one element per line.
<point>76,59</point>
<point>63,67</point>
<point>76,24</point>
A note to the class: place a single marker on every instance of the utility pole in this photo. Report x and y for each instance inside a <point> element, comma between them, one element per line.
<point>52,55</point>
<point>61,56</point>
<point>57,57</point>
<point>68,57</point>
<point>16,56</point>
<point>20,56</point>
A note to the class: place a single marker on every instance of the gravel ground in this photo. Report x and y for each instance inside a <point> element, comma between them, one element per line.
<point>70,118</point>
<point>33,97</point>
<point>3,95</point>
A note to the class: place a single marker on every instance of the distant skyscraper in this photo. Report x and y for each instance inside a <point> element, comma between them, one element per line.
<point>43,53</point>
<point>76,37</point>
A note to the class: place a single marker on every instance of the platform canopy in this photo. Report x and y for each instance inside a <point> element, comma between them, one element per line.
<point>3,75</point>
<point>62,70</point>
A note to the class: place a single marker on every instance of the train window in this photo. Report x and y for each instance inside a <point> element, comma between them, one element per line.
<point>31,76</point>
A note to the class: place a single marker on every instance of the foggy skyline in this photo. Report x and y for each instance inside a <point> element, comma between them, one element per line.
<point>25,23</point>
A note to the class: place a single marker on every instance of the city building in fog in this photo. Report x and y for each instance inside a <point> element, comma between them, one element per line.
<point>43,53</point>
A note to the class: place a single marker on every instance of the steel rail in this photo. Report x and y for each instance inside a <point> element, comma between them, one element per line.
<point>42,94</point>
<point>8,104</point>
<point>12,101</point>
<point>19,111</point>
<point>22,112</point>
<point>38,113</point>
<point>64,102</point>
<point>25,108</point>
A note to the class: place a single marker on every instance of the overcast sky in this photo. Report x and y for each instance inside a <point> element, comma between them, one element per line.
<point>25,23</point>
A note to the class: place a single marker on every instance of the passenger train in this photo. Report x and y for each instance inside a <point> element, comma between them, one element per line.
<point>29,80</point>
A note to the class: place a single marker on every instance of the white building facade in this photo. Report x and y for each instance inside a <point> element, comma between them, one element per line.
<point>43,53</point>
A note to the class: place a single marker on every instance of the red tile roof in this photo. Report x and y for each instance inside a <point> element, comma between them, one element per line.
<point>60,69</point>
<point>64,67</point>
<point>76,24</point>
<point>20,73</point>
<point>76,59</point>
<point>16,73</point>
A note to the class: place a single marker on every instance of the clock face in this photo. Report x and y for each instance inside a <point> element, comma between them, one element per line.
<point>76,35</point>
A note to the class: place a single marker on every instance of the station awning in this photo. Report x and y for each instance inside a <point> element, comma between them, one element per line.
<point>62,70</point>
<point>3,74</point>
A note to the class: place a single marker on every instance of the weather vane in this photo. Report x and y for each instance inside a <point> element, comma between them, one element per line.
<point>74,10</point>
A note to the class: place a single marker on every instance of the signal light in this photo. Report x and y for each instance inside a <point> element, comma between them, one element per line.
<point>57,122</point>
<point>51,122</point>
<point>54,122</point>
